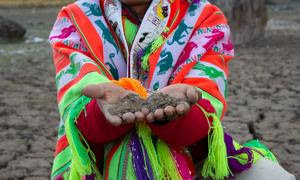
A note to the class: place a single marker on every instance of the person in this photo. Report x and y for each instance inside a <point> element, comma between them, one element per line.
<point>105,49</point>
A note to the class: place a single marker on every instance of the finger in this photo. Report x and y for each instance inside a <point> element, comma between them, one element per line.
<point>192,95</point>
<point>182,108</point>
<point>128,117</point>
<point>150,117</point>
<point>115,120</point>
<point>93,91</point>
<point>145,111</point>
<point>170,111</point>
<point>139,116</point>
<point>159,114</point>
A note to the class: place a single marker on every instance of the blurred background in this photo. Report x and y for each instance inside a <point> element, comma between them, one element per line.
<point>264,88</point>
<point>37,3</point>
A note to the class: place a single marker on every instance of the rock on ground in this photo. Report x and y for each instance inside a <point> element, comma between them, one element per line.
<point>263,102</point>
<point>10,30</point>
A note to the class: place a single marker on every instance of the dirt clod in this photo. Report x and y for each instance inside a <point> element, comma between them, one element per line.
<point>160,101</point>
<point>130,103</point>
<point>133,103</point>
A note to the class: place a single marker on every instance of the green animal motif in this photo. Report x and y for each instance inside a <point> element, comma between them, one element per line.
<point>179,33</point>
<point>73,69</point>
<point>58,77</point>
<point>94,9</point>
<point>106,35</point>
<point>156,86</point>
<point>212,73</point>
<point>112,67</point>
<point>192,9</point>
<point>166,63</point>
<point>209,71</point>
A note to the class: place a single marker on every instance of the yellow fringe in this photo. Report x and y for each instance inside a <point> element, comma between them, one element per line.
<point>216,164</point>
<point>167,161</point>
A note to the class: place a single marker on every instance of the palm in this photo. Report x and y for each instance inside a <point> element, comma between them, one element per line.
<point>107,94</point>
<point>113,93</point>
<point>187,93</point>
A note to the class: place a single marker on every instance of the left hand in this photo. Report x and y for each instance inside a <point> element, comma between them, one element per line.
<point>107,94</point>
<point>181,91</point>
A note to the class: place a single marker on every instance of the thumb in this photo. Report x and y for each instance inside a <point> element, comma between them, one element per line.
<point>94,91</point>
<point>193,94</point>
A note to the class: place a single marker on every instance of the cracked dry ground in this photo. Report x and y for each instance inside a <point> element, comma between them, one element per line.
<point>264,94</point>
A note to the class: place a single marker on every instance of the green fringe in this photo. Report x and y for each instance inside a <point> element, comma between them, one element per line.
<point>167,161</point>
<point>130,174</point>
<point>66,175</point>
<point>122,164</point>
<point>162,161</point>
<point>216,164</point>
<point>158,42</point>
<point>81,156</point>
<point>144,132</point>
<point>145,63</point>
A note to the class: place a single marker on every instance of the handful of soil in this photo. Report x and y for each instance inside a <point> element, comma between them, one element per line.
<point>133,103</point>
<point>130,103</point>
<point>160,101</point>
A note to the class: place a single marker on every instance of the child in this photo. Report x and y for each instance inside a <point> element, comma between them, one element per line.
<point>176,47</point>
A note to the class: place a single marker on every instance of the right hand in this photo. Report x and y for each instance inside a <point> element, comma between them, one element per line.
<point>178,91</point>
<point>107,94</point>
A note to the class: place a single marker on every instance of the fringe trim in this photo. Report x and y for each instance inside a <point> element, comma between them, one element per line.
<point>216,164</point>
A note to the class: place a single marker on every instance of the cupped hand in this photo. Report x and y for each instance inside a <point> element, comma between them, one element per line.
<point>107,94</point>
<point>189,95</point>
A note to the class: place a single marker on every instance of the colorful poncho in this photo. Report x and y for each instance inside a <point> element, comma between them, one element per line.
<point>188,42</point>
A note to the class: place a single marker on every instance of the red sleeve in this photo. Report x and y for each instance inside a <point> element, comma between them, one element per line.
<point>185,130</point>
<point>95,128</point>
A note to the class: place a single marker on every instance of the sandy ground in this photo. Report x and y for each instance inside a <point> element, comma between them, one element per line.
<point>264,95</point>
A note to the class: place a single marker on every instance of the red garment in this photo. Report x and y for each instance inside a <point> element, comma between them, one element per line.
<point>95,128</point>
<point>183,131</point>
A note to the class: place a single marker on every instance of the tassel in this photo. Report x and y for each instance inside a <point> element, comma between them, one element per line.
<point>138,158</point>
<point>145,57</point>
<point>80,160</point>
<point>82,164</point>
<point>216,164</point>
<point>144,133</point>
<point>158,42</point>
<point>130,174</point>
<point>167,161</point>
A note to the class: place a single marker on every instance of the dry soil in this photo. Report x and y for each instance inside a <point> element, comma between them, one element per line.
<point>264,92</point>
